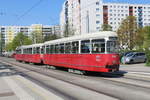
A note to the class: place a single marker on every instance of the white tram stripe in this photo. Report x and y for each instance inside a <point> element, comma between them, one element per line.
<point>21,94</point>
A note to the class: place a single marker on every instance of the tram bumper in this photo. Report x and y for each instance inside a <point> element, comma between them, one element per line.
<point>112,68</point>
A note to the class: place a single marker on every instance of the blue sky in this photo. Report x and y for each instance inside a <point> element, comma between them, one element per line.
<point>46,12</point>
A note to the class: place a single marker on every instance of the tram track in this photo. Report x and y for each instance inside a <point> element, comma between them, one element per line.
<point>83,86</point>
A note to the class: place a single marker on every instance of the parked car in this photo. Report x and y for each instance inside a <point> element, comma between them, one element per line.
<point>123,54</point>
<point>134,57</point>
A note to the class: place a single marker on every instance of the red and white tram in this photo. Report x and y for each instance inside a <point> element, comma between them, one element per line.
<point>89,52</point>
<point>30,53</point>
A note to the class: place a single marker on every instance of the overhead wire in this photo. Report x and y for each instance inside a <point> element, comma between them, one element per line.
<point>29,10</point>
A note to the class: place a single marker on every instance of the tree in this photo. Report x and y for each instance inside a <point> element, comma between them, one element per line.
<point>127,33</point>
<point>19,40</point>
<point>146,42</point>
<point>106,27</point>
<point>140,39</point>
<point>8,47</point>
<point>37,37</point>
<point>51,37</point>
<point>68,30</point>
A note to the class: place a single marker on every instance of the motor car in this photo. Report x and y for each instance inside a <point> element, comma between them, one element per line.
<point>134,57</point>
<point>123,54</point>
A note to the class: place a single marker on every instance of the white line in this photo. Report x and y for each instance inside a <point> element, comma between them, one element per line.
<point>21,94</point>
<point>39,90</point>
<point>144,73</point>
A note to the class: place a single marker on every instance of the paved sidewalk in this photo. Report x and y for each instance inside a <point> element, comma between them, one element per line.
<point>15,87</point>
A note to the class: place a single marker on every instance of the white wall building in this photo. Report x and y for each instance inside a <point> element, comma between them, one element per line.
<point>92,14</point>
<point>70,15</point>
<point>9,32</point>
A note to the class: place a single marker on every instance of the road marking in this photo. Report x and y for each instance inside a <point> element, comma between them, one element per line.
<point>38,90</point>
<point>21,94</point>
<point>143,73</point>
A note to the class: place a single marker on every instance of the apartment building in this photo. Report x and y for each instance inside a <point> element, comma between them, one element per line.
<point>92,14</point>
<point>9,32</point>
<point>70,16</point>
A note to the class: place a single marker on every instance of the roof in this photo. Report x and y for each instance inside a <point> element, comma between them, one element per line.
<point>136,2</point>
<point>29,46</point>
<point>103,34</point>
<point>98,35</point>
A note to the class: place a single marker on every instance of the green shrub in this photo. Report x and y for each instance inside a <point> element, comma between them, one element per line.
<point>148,58</point>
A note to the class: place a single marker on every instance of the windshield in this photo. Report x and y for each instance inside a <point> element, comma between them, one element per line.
<point>129,55</point>
<point>112,46</point>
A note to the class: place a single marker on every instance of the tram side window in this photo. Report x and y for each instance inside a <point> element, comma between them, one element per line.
<point>18,51</point>
<point>42,49</point>
<point>27,52</point>
<point>56,48</point>
<point>47,49</point>
<point>34,50</point>
<point>37,50</point>
<point>68,48</point>
<point>98,46</point>
<point>30,51</point>
<point>62,48</point>
<point>52,49</point>
<point>24,51</point>
<point>85,46</point>
<point>75,47</point>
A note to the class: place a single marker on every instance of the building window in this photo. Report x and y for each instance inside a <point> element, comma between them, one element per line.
<point>97,3</point>
<point>98,28</point>
<point>97,9</point>
<point>97,15</point>
<point>97,22</point>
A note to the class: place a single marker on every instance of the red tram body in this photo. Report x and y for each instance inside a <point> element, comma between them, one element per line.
<point>87,62</point>
<point>92,52</point>
<point>27,56</point>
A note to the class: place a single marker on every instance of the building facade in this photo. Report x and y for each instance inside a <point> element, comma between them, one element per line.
<point>92,14</point>
<point>70,16</point>
<point>9,32</point>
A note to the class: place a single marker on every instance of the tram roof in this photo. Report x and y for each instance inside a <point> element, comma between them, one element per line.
<point>29,46</point>
<point>103,34</point>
